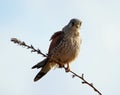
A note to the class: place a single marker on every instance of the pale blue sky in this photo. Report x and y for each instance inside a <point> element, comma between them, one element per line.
<point>34,21</point>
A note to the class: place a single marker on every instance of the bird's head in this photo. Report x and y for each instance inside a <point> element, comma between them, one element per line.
<point>73,25</point>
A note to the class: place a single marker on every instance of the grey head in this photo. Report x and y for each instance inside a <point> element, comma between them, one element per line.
<point>74,24</point>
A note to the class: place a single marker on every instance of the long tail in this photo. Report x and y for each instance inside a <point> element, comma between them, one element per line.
<point>46,66</point>
<point>40,64</point>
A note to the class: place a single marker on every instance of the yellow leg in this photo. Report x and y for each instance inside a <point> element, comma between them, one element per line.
<point>67,69</point>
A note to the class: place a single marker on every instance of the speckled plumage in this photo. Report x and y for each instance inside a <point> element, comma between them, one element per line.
<point>64,48</point>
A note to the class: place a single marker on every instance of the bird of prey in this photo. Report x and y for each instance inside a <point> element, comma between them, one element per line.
<point>64,48</point>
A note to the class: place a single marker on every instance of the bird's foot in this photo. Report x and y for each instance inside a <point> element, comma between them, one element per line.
<point>67,69</point>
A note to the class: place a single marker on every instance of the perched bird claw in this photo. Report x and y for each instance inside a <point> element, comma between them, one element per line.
<point>67,69</point>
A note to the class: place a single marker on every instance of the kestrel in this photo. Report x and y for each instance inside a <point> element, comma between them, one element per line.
<point>64,48</point>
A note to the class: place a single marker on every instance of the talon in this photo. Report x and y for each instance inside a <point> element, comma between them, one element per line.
<point>67,69</point>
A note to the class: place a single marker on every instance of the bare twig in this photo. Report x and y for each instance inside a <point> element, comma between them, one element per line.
<point>22,43</point>
<point>86,82</point>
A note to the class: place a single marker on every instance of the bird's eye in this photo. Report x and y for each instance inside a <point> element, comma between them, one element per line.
<point>72,23</point>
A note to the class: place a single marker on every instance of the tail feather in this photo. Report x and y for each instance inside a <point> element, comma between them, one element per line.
<point>40,64</point>
<point>45,69</point>
<point>39,75</point>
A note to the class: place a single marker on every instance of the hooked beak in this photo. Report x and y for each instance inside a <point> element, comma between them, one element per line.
<point>77,26</point>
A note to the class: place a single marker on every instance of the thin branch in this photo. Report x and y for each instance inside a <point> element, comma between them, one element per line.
<point>86,82</point>
<point>22,43</point>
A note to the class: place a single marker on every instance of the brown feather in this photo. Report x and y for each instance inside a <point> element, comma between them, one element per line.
<point>56,38</point>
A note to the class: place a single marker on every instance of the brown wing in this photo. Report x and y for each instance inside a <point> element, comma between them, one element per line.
<point>56,38</point>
